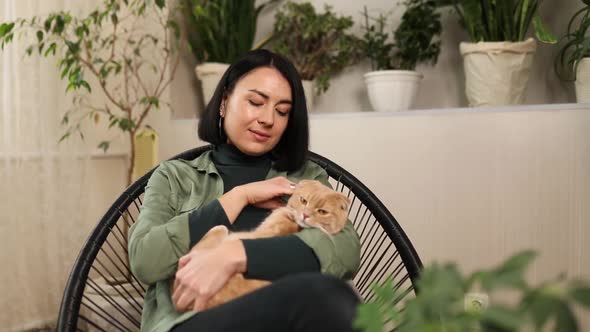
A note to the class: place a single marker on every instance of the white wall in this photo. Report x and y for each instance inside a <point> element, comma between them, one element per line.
<point>443,85</point>
<point>468,186</point>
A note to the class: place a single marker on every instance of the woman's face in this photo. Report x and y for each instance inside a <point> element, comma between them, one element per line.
<point>256,112</point>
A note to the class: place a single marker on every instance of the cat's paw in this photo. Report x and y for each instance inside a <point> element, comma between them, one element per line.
<point>212,238</point>
<point>219,230</point>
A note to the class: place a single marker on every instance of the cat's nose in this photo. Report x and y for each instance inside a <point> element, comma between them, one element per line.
<point>305,215</point>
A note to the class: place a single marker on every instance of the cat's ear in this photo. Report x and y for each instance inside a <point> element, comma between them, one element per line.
<point>344,201</point>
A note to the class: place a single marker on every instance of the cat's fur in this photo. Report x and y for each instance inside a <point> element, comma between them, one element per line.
<point>312,205</point>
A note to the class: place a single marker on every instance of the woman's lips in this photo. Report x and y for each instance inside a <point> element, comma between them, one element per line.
<point>260,136</point>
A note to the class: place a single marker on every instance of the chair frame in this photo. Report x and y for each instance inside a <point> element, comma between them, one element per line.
<point>74,289</point>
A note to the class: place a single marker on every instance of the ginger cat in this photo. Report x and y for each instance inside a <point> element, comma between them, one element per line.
<point>312,205</point>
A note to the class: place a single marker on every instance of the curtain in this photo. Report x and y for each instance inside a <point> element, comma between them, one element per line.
<point>43,184</point>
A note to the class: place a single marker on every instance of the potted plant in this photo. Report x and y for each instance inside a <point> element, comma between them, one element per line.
<point>393,83</point>
<point>220,31</point>
<point>573,60</point>
<point>444,302</point>
<point>108,53</point>
<point>498,59</point>
<point>318,44</point>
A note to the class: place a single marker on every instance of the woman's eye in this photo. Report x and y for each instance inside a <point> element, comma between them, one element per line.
<point>253,103</point>
<point>302,200</point>
<point>282,113</point>
<point>322,212</point>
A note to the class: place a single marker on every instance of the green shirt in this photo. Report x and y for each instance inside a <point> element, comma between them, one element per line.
<point>161,234</point>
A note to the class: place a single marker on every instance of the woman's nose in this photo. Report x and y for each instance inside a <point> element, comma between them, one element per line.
<point>266,117</point>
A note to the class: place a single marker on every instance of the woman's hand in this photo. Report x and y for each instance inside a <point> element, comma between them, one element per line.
<point>267,192</point>
<point>264,194</point>
<point>202,273</point>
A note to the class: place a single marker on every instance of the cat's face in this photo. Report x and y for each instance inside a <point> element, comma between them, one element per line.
<point>318,206</point>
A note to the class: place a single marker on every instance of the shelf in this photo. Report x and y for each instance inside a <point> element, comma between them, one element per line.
<point>462,110</point>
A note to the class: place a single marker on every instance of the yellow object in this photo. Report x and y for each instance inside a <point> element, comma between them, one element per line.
<point>146,152</point>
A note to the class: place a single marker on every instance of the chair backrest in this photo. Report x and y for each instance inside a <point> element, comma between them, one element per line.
<point>103,295</point>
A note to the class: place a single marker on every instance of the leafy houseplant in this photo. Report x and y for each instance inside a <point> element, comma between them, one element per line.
<point>222,30</point>
<point>319,44</point>
<point>498,59</point>
<point>394,82</point>
<point>107,51</point>
<point>219,32</point>
<point>440,306</point>
<point>571,63</point>
<point>501,20</point>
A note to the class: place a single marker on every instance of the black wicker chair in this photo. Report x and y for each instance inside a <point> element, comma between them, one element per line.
<point>103,295</point>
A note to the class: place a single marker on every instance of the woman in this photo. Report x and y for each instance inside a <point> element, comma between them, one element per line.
<point>257,121</point>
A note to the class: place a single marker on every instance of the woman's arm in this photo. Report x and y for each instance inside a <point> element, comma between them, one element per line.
<point>307,251</point>
<point>161,235</point>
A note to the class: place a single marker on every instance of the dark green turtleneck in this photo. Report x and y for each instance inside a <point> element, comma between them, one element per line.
<point>269,258</point>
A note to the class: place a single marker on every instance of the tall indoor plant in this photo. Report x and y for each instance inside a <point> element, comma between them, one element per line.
<point>319,44</point>
<point>108,52</point>
<point>220,31</point>
<point>393,83</point>
<point>441,306</point>
<point>498,59</point>
<point>573,60</point>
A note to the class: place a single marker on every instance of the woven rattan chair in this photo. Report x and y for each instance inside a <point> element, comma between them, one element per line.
<point>103,295</point>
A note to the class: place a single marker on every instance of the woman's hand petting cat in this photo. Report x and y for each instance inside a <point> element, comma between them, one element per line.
<point>202,273</point>
<point>266,194</point>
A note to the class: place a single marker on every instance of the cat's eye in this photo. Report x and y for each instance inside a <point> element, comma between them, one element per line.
<point>322,212</point>
<point>302,200</point>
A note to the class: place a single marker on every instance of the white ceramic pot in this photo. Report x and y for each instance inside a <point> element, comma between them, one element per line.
<point>210,73</point>
<point>308,89</point>
<point>583,81</point>
<point>496,73</point>
<point>392,90</point>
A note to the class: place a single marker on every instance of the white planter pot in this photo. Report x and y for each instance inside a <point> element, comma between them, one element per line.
<point>392,90</point>
<point>583,81</point>
<point>210,73</point>
<point>496,73</point>
<point>309,90</point>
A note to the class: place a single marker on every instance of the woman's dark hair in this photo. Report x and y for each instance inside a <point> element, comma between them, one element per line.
<point>291,151</point>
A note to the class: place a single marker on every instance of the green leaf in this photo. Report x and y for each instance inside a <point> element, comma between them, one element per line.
<point>510,274</point>
<point>29,50</point>
<point>161,3</point>
<point>114,121</point>
<point>152,100</point>
<point>541,306</point>
<point>51,49</point>
<point>47,23</point>
<point>126,124</point>
<point>40,35</point>
<point>542,31</point>
<point>368,318</point>
<point>507,318</point>
<point>86,86</point>
<point>5,29</point>
<point>566,321</point>
<point>104,145</point>
<point>114,18</point>
<point>175,28</point>
<point>66,135</point>
<point>581,294</point>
